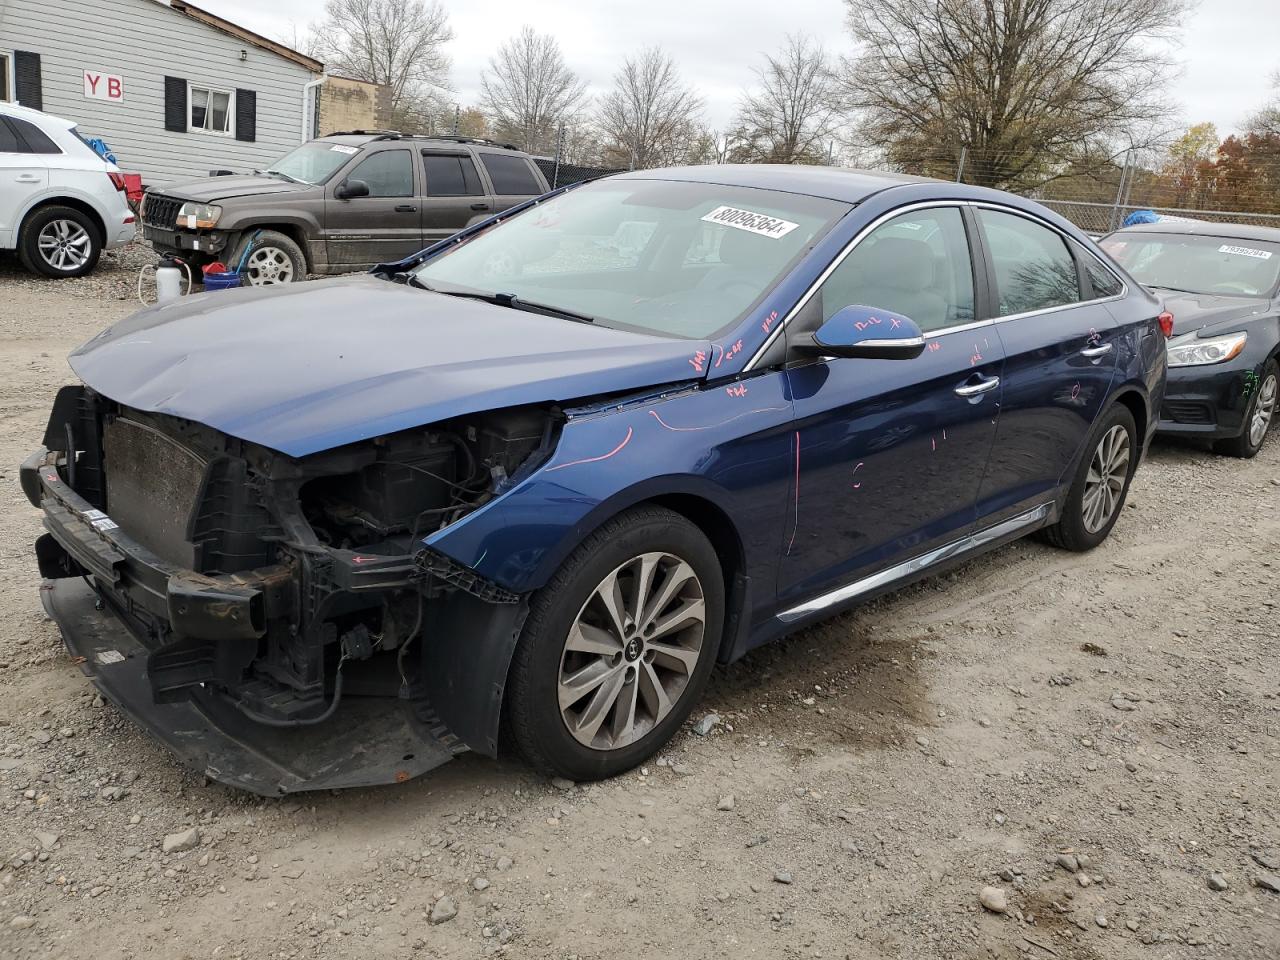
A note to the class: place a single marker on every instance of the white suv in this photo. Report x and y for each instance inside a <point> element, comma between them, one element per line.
<point>61,204</point>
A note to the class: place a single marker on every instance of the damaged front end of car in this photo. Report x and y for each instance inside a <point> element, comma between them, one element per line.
<point>277,621</point>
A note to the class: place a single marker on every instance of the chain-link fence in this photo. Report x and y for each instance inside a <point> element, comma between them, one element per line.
<point>561,174</point>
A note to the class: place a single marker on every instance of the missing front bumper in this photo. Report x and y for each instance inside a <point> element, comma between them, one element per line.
<point>367,742</point>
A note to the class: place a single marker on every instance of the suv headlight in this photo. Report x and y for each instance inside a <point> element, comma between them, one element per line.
<point>198,216</point>
<point>1195,353</point>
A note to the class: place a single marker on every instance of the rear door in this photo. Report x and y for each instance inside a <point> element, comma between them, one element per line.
<point>23,174</point>
<point>889,454</point>
<point>1061,346</point>
<point>512,176</point>
<point>453,195</point>
<point>385,225</point>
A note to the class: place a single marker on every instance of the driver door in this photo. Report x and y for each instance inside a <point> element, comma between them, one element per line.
<point>890,454</point>
<point>385,225</point>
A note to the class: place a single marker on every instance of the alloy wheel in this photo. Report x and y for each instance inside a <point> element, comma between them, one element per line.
<point>1104,484</point>
<point>268,265</point>
<point>1263,411</point>
<point>64,245</point>
<point>632,651</point>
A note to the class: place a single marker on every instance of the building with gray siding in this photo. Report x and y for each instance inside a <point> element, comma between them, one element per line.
<point>174,90</point>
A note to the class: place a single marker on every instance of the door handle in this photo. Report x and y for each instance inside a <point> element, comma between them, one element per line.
<point>406,208</point>
<point>479,206</point>
<point>27,178</point>
<point>977,389</point>
<point>1099,351</point>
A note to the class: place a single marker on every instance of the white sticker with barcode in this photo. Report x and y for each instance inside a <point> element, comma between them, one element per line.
<point>1245,252</point>
<point>760,224</point>
<point>106,523</point>
<point>109,656</point>
<point>342,148</point>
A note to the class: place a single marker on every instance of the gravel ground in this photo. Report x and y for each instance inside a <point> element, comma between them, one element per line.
<point>1040,755</point>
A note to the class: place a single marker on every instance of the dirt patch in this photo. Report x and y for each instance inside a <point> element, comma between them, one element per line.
<point>888,764</point>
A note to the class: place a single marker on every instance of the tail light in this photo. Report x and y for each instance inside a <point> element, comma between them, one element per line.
<point>1166,324</point>
<point>117,181</point>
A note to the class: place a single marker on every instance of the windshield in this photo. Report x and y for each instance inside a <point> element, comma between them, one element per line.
<point>313,162</point>
<point>1220,266</point>
<point>665,257</point>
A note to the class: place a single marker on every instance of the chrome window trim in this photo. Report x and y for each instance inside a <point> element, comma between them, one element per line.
<point>1067,240</point>
<point>916,564</point>
<point>839,259</point>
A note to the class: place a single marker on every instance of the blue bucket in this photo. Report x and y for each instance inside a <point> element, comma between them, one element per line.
<point>221,281</point>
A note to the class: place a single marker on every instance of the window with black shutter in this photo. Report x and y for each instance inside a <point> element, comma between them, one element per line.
<point>6,63</point>
<point>27,87</point>
<point>246,115</point>
<point>175,104</point>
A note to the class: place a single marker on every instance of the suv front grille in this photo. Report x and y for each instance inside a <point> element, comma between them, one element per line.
<point>160,211</point>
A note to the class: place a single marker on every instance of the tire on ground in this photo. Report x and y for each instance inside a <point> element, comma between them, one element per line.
<point>1070,532</point>
<point>28,241</point>
<point>532,718</point>
<point>265,240</point>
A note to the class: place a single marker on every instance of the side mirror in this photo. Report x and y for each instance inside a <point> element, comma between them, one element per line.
<point>867,332</point>
<point>351,189</point>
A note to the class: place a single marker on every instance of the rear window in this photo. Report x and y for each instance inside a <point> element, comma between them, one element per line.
<point>450,175</point>
<point>8,139</point>
<point>511,175</point>
<point>30,138</point>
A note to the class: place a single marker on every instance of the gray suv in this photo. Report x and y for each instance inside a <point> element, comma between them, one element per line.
<point>339,203</point>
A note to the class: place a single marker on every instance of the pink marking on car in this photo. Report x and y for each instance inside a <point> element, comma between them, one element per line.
<point>603,456</point>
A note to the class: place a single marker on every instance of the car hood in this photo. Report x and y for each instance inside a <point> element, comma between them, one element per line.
<point>1194,311</point>
<point>310,366</point>
<point>212,189</point>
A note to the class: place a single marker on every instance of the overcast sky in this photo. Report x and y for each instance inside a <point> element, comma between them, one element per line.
<point>1229,47</point>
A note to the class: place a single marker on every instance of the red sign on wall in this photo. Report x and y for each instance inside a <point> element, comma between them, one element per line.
<point>103,86</point>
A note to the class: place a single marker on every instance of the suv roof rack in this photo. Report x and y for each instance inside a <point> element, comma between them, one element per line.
<point>376,134</point>
<point>459,139</point>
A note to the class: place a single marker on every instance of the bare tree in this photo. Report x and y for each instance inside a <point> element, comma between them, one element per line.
<point>528,90</point>
<point>1022,86</point>
<point>399,43</point>
<point>650,116</point>
<point>794,114</point>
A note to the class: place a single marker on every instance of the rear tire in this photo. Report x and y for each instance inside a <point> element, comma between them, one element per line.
<point>1258,419</point>
<point>1101,483</point>
<point>59,242</point>
<point>590,694</point>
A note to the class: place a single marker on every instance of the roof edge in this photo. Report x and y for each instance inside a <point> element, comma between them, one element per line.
<point>241,33</point>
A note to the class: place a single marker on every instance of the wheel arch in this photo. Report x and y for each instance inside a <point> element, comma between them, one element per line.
<point>1139,407</point>
<point>64,200</point>
<point>294,231</point>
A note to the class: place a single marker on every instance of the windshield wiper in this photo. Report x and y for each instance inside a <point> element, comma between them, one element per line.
<point>1161,286</point>
<point>501,299</point>
<point>280,173</point>
<point>546,309</point>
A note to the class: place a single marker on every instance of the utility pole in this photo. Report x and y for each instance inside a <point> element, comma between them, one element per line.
<point>457,115</point>
<point>964,152</point>
<point>555,177</point>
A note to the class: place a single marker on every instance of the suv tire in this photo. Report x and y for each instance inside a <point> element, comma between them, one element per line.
<point>274,258</point>
<point>1097,495</point>
<point>59,242</point>
<point>650,560</point>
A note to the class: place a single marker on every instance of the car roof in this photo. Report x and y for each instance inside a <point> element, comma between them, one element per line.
<point>38,117</point>
<point>832,183</point>
<point>1203,228</point>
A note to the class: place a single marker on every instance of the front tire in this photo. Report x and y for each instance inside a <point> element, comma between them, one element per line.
<point>1101,483</point>
<point>617,648</point>
<point>274,258</point>
<point>1258,419</point>
<point>59,242</point>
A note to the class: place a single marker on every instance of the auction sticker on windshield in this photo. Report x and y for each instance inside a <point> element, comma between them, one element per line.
<point>343,148</point>
<point>1245,252</point>
<point>757,223</point>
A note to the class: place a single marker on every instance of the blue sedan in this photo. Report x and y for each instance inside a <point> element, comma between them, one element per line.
<point>528,486</point>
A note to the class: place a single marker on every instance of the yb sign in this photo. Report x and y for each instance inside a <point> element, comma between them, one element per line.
<point>103,86</point>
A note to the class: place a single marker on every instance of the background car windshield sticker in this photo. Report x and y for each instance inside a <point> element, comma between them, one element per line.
<point>760,224</point>
<point>1238,251</point>
<point>340,148</point>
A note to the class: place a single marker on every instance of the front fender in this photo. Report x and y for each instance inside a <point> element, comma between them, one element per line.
<point>727,448</point>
